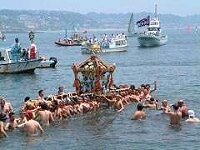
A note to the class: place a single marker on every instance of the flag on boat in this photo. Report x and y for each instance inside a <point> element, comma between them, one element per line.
<point>143,22</point>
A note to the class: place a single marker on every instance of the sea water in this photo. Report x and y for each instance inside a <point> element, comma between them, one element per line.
<point>175,66</point>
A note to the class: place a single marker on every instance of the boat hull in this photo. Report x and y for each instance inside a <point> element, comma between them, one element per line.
<point>62,43</point>
<point>51,63</point>
<point>86,50</point>
<point>132,35</point>
<point>19,67</point>
<point>151,40</point>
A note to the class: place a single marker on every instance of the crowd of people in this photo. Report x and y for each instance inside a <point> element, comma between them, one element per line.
<point>37,114</point>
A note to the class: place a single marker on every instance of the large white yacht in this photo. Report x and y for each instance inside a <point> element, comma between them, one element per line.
<point>153,35</point>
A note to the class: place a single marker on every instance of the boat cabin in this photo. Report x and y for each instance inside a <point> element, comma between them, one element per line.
<point>5,56</point>
<point>154,27</point>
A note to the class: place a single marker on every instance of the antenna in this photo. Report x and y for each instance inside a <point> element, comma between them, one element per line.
<point>155,13</point>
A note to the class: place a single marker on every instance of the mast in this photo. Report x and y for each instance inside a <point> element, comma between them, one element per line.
<point>155,12</point>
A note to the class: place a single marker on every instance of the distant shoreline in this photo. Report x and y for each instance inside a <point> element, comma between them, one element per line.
<point>60,31</point>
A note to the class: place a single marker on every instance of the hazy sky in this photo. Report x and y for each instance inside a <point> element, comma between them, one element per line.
<point>178,7</point>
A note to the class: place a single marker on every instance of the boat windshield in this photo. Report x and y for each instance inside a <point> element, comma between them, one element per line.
<point>1,57</point>
<point>154,23</point>
<point>153,29</point>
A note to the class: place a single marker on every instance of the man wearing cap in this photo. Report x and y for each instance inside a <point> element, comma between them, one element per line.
<point>192,118</point>
<point>183,108</point>
<point>31,127</point>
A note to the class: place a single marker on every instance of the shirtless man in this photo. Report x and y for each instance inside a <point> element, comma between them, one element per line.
<point>5,107</point>
<point>13,122</point>
<point>44,116</point>
<point>165,107</point>
<point>151,104</point>
<point>119,106</point>
<point>175,116</point>
<point>40,97</point>
<point>192,118</point>
<point>31,127</point>
<point>60,90</point>
<point>2,131</point>
<point>139,114</point>
<point>183,108</point>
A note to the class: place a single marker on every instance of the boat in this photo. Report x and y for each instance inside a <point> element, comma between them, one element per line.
<point>75,40</point>
<point>131,27</point>
<point>153,36</point>
<point>68,42</point>
<point>48,63</point>
<point>8,65</point>
<point>115,44</point>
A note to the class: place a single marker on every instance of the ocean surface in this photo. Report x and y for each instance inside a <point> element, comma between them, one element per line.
<point>175,67</point>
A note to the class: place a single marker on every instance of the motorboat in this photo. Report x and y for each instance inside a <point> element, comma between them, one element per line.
<point>8,65</point>
<point>75,40</point>
<point>48,63</point>
<point>68,42</point>
<point>153,35</point>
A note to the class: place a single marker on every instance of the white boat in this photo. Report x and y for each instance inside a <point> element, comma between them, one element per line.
<point>131,27</point>
<point>115,44</point>
<point>153,36</point>
<point>7,65</point>
<point>48,63</point>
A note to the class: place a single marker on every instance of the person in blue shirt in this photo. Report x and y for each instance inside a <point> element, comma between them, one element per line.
<point>16,50</point>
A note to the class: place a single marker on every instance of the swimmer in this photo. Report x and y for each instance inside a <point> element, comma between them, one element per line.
<point>139,114</point>
<point>44,115</point>
<point>31,127</point>
<point>5,107</point>
<point>175,116</point>
<point>192,118</point>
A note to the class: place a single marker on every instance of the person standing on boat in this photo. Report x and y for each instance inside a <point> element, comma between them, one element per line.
<point>16,50</point>
<point>33,50</point>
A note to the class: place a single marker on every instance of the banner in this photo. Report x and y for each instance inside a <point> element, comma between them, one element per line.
<point>143,22</point>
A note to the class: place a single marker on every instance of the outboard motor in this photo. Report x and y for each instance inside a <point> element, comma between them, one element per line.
<point>53,65</point>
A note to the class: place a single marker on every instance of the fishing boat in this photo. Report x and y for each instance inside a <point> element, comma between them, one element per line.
<point>48,63</point>
<point>131,27</point>
<point>8,65</point>
<point>75,40</point>
<point>114,44</point>
<point>68,42</point>
<point>153,35</point>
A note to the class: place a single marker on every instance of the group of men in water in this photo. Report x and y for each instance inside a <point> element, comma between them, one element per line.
<point>36,114</point>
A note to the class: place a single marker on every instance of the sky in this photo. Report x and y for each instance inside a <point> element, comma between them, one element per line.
<point>177,7</point>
